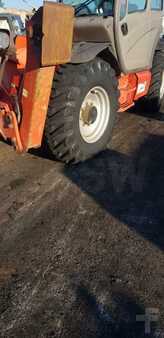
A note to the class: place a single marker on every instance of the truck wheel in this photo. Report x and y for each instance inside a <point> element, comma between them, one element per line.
<point>82,110</point>
<point>155,95</point>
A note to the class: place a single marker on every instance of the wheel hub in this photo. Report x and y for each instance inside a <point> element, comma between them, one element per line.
<point>94,114</point>
<point>88,114</point>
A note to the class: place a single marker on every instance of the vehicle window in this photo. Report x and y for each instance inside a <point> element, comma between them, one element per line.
<point>156,4</point>
<point>4,24</point>
<point>123,9</point>
<point>16,25</point>
<point>136,5</point>
<point>91,7</point>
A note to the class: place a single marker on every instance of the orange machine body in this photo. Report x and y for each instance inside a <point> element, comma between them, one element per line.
<point>132,87</point>
<point>26,85</point>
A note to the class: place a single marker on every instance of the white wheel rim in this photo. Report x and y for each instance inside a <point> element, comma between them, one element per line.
<point>94,114</point>
<point>162,87</point>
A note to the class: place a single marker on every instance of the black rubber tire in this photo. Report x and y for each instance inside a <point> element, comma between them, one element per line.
<point>71,85</point>
<point>153,100</point>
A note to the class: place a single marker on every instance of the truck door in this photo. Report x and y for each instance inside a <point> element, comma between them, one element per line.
<point>136,31</point>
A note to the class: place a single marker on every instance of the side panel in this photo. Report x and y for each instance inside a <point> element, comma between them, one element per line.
<point>35,99</point>
<point>94,29</point>
<point>132,87</point>
<point>136,36</point>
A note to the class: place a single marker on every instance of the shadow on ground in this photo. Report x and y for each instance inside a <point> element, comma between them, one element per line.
<point>131,188</point>
<point>99,321</point>
<point>90,318</point>
<point>138,110</point>
<point>61,290</point>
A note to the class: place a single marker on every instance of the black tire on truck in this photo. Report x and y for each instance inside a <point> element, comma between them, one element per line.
<point>155,96</point>
<point>82,110</point>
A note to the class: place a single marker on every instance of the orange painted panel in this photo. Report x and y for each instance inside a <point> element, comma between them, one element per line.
<point>21,51</point>
<point>35,99</point>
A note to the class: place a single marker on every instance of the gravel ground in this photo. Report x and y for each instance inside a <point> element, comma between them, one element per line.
<point>82,248</point>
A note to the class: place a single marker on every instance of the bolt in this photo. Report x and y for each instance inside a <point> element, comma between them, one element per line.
<point>7,120</point>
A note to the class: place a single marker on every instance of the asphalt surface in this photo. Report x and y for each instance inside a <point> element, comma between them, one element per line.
<point>82,248</point>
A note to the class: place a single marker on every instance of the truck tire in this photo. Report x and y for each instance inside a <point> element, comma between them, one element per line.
<point>155,96</point>
<point>82,110</point>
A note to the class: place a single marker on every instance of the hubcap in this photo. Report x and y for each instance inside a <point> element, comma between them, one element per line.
<point>162,87</point>
<point>94,114</point>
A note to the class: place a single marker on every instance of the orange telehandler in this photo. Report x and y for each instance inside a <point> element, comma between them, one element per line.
<point>66,79</point>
